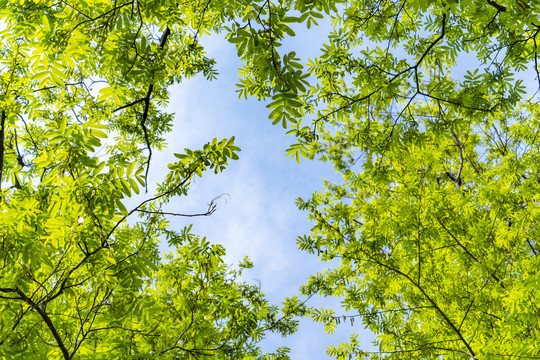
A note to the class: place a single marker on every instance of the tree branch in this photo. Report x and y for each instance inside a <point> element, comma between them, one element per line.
<point>128,105</point>
<point>439,310</point>
<point>180,184</point>
<point>146,101</point>
<point>211,209</point>
<point>500,8</point>
<point>46,319</point>
<point>208,213</point>
<point>468,252</point>
<point>396,76</point>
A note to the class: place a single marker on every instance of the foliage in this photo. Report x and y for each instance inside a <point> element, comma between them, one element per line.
<point>434,227</point>
<point>433,231</point>
<point>82,85</point>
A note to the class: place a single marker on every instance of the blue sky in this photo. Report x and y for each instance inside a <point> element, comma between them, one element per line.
<point>258,218</point>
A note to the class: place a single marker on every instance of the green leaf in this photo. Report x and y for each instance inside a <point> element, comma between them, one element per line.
<point>133,185</point>
<point>121,207</point>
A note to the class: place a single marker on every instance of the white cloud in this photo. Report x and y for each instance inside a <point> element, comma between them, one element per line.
<point>259,219</point>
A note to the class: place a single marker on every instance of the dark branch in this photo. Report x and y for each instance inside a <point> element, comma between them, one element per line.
<point>385,265</point>
<point>396,76</point>
<point>208,213</point>
<point>146,101</point>
<point>45,318</point>
<point>7,291</point>
<point>128,105</point>
<point>105,243</point>
<point>211,209</point>
<point>180,184</point>
<point>500,8</point>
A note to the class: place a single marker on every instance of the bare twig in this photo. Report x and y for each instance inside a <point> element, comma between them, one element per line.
<point>208,213</point>
<point>180,184</point>
<point>212,206</point>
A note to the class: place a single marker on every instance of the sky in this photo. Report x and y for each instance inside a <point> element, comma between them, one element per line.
<point>258,217</point>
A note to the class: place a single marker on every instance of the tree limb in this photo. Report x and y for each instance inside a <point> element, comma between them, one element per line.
<point>500,8</point>
<point>45,318</point>
<point>146,101</point>
<point>211,209</point>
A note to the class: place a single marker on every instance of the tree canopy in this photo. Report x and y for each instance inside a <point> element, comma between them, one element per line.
<point>429,110</point>
<point>82,88</point>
